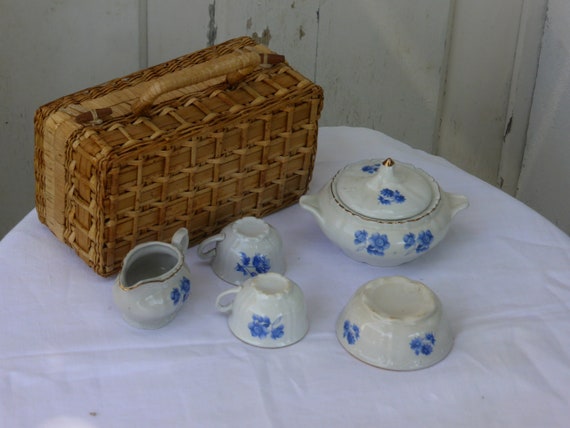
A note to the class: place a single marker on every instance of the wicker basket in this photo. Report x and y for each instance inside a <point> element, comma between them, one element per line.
<point>196,142</point>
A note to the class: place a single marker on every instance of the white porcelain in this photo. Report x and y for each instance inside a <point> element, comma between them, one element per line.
<point>245,248</point>
<point>383,213</point>
<point>268,310</point>
<point>395,323</point>
<point>154,282</point>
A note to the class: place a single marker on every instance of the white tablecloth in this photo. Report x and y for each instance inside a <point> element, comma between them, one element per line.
<point>502,273</point>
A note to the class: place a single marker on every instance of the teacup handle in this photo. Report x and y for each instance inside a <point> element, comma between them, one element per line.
<point>180,239</point>
<point>205,254</point>
<point>227,307</point>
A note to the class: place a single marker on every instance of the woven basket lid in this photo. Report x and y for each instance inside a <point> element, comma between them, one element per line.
<point>384,190</point>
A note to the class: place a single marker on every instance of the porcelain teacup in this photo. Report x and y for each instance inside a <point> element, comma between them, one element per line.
<point>243,249</point>
<point>154,282</point>
<point>268,310</point>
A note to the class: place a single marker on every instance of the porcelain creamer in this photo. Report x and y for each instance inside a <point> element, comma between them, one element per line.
<point>154,282</point>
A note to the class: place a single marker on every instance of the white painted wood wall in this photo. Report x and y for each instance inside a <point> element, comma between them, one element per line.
<point>545,178</point>
<point>451,77</point>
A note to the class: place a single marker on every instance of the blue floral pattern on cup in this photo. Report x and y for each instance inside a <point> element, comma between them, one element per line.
<point>374,244</point>
<point>351,332</point>
<point>389,197</point>
<point>252,266</point>
<point>423,344</point>
<point>420,243</point>
<point>262,327</point>
<point>182,292</point>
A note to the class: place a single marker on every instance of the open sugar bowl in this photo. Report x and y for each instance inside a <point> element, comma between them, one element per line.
<point>395,323</point>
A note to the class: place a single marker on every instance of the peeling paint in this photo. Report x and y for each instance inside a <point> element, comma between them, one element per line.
<point>212,27</point>
<point>508,128</point>
<point>316,63</point>
<point>264,38</point>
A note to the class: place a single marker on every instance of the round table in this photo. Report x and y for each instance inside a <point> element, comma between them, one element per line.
<point>502,273</point>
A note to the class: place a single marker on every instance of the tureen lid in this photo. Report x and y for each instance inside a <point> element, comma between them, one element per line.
<point>384,190</point>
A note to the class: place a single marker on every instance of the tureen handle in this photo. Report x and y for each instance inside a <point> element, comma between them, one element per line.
<point>457,203</point>
<point>311,204</point>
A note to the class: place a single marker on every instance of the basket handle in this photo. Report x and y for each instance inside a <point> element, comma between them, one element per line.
<point>234,66</point>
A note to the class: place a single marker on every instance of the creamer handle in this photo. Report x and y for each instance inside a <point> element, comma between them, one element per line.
<point>180,239</point>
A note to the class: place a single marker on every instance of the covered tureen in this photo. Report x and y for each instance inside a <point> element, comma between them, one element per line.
<point>383,213</point>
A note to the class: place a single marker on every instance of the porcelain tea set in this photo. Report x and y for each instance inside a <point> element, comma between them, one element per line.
<point>381,212</point>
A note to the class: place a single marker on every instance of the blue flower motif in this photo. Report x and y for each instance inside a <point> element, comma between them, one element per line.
<point>421,243</point>
<point>259,264</point>
<point>409,240</point>
<point>278,332</point>
<point>245,260</point>
<point>424,241</point>
<point>377,244</point>
<point>371,169</point>
<point>423,345</point>
<point>175,295</point>
<point>351,332</point>
<point>374,244</point>
<point>389,196</point>
<point>261,326</point>
<point>185,287</point>
<point>360,237</point>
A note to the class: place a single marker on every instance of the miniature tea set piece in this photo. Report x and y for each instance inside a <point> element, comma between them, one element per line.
<point>154,282</point>
<point>268,310</point>
<point>383,213</point>
<point>245,248</point>
<point>395,323</point>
